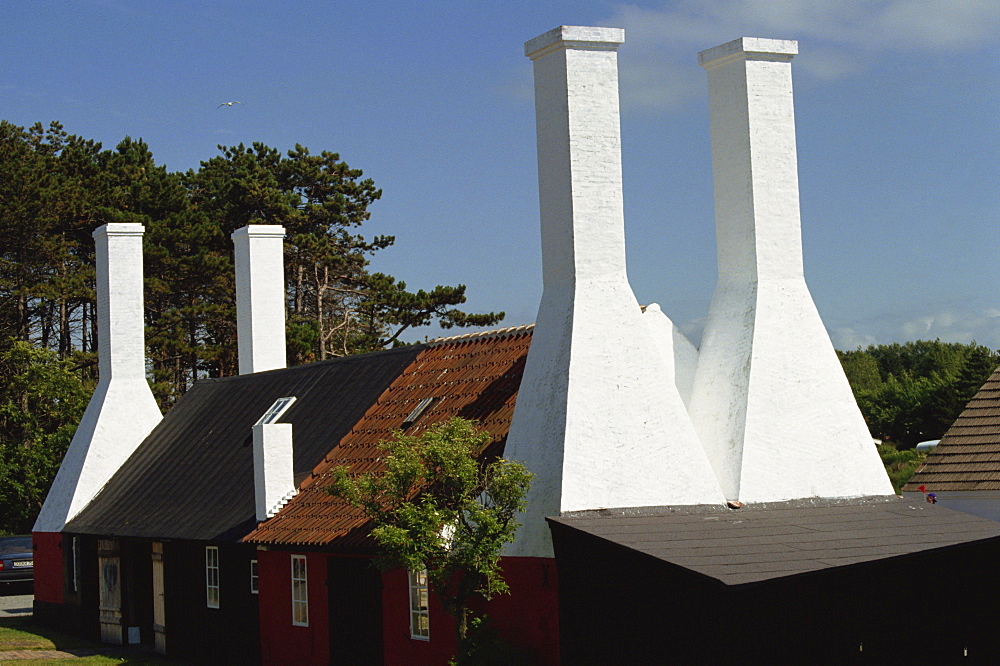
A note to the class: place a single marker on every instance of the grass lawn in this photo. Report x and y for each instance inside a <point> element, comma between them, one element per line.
<point>19,633</point>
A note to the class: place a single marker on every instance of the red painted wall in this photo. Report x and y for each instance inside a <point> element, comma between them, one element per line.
<point>280,641</point>
<point>527,618</point>
<point>399,647</point>
<point>48,558</point>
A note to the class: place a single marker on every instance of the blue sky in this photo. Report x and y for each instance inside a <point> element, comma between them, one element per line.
<point>897,113</point>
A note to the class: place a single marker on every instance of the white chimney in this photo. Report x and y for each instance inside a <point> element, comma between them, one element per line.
<point>122,410</point>
<point>680,356</point>
<point>770,401</point>
<point>274,482</point>
<point>598,419</point>
<point>260,296</point>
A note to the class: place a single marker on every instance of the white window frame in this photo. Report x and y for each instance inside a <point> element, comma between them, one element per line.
<point>300,592</point>
<point>212,591</point>
<point>420,619</point>
<point>254,579</point>
<point>75,564</point>
<point>276,411</point>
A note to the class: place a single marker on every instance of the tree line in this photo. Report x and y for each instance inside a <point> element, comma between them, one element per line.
<point>57,187</point>
<point>914,391</point>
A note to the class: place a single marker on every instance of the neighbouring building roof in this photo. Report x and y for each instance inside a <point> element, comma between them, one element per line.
<point>193,478</point>
<point>968,455</point>
<point>761,542</point>
<point>473,376</point>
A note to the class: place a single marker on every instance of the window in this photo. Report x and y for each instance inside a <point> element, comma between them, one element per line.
<point>417,411</point>
<point>212,576</point>
<point>420,627</point>
<point>300,592</point>
<point>275,411</point>
<point>253,577</point>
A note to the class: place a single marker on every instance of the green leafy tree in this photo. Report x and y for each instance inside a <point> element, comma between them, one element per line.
<point>438,506</point>
<point>900,464</point>
<point>914,391</point>
<point>41,402</point>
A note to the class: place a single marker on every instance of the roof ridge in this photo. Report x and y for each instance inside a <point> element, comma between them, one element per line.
<point>481,335</point>
<point>347,358</point>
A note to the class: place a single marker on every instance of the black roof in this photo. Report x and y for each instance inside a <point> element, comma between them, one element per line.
<point>771,540</point>
<point>192,477</point>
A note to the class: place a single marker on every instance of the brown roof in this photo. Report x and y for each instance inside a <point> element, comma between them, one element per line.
<point>968,456</point>
<point>472,376</point>
<point>192,477</point>
<point>772,540</point>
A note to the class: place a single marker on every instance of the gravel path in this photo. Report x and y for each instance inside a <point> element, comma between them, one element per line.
<point>14,601</point>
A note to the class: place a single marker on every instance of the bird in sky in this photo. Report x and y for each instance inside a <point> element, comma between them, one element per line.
<point>226,104</point>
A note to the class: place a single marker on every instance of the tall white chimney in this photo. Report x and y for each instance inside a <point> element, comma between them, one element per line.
<point>122,410</point>
<point>274,482</point>
<point>770,400</point>
<point>260,297</point>
<point>598,419</point>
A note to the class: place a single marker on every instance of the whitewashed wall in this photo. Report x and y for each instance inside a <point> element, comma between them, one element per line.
<point>770,400</point>
<point>599,420</point>
<point>122,410</point>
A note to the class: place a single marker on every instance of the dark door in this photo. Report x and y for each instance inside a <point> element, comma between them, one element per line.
<point>355,588</point>
<point>137,591</point>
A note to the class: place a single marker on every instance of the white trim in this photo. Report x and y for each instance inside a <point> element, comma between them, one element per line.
<point>276,410</point>
<point>212,591</point>
<point>254,578</point>
<point>419,612</point>
<point>75,563</point>
<point>300,593</point>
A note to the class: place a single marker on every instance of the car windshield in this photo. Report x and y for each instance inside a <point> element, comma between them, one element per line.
<point>14,545</point>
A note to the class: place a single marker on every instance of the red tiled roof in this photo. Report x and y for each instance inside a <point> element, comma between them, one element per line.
<point>968,456</point>
<point>472,376</point>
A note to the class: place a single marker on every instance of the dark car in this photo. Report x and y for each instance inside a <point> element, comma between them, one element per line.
<point>16,559</point>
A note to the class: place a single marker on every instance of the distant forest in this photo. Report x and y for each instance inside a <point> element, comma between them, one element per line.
<point>913,392</point>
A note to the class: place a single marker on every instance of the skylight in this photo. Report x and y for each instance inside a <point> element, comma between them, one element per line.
<point>417,411</point>
<point>276,410</point>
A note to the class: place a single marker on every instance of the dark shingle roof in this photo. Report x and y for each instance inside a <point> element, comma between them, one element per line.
<point>192,478</point>
<point>968,456</point>
<point>472,376</point>
<point>765,541</point>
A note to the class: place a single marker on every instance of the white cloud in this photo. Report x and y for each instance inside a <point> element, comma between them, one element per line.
<point>954,324</point>
<point>837,36</point>
<point>848,339</point>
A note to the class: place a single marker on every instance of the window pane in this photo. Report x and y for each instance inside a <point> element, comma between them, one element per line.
<point>419,615</point>
<point>300,591</point>
<point>212,576</point>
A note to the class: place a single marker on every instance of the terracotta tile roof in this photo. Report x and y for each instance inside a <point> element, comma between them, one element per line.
<point>968,456</point>
<point>473,376</point>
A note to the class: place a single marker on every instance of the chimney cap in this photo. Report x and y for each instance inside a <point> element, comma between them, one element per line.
<point>750,48</point>
<point>575,36</point>
<point>260,231</point>
<point>119,229</point>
